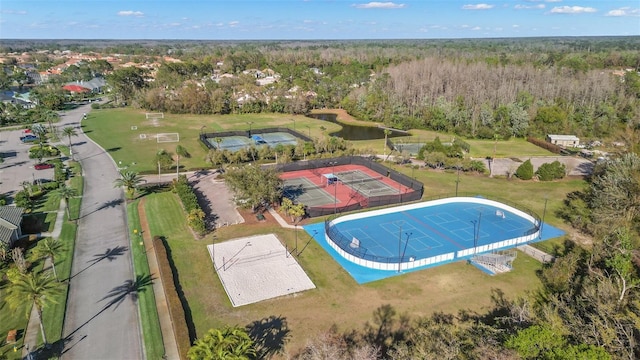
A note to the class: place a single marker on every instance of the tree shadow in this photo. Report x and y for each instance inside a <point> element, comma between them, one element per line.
<point>117,295</point>
<point>114,149</point>
<point>107,204</point>
<point>188,316</point>
<point>204,202</point>
<point>269,335</point>
<point>109,254</point>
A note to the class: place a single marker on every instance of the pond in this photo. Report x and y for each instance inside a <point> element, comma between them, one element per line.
<point>355,132</point>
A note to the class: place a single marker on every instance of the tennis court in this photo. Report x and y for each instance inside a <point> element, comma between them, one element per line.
<point>365,184</point>
<point>303,190</point>
<point>236,142</point>
<point>380,243</point>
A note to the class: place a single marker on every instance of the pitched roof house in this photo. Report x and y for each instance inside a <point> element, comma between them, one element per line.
<point>10,220</point>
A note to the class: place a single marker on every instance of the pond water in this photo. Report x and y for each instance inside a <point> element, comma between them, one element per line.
<point>354,132</point>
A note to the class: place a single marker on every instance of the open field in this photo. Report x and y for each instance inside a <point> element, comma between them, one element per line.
<point>446,288</point>
<point>112,129</point>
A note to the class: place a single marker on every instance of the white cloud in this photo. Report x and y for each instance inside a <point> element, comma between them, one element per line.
<point>624,11</point>
<point>234,23</point>
<point>515,26</point>
<point>476,28</point>
<point>477,7</point>
<point>379,5</point>
<point>14,12</point>
<point>130,13</point>
<point>572,10</point>
<point>537,6</point>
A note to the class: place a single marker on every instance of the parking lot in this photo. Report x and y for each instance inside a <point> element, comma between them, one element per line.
<point>17,167</point>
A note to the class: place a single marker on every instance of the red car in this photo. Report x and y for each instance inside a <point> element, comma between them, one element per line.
<point>43,166</point>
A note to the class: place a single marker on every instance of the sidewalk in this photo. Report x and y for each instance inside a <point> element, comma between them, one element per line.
<point>32,332</point>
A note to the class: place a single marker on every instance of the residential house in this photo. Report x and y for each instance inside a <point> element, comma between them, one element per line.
<point>10,221</point>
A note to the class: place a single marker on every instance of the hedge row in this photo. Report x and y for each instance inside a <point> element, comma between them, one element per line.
<point>176,311</point>
<point>545,145</point>
<point>195,215</point>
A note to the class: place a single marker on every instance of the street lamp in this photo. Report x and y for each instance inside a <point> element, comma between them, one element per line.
<point>309,127</point>
<point>296,229</point>
<point>202,129</point>
<point>250,123</point>
<point>294,124</point>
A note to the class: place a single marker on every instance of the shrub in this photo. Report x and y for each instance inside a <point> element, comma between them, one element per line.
<point>525,170</point>
<point>551,171</point>
<point>195,215</point>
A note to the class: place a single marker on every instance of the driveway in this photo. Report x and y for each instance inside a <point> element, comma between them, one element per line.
<point>102,320</point>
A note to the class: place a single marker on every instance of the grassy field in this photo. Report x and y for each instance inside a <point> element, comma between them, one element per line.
<point>447,288</point>
<point>112,130</point>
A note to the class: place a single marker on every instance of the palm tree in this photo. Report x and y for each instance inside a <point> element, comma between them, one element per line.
<point>37,289</point>
<point>40,131</point>
<point>70,131</point>
<point>65,192</point>
<point>181,151</point>
<point>48,248</point>
<point>129,180</point>
<point>228,343</point>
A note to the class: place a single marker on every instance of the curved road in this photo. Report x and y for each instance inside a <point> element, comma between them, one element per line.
<point>102,320</point>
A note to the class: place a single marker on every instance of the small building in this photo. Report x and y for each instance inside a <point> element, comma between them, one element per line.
<point>564,140</point>
<point>10,221</point>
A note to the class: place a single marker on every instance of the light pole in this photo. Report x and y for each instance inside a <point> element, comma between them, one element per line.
<point>474,222</point>
<point>544,212</point>
<point>334,179</point>
<point>309,127</point>
<point>294,124</point>
<point>296,229</point>
<point>458,179</point>
<point>400,247</point>
<point>250,123</point>
<point>202,129</point>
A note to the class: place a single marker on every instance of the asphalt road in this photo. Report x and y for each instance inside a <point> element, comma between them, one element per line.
<point>102,320</point>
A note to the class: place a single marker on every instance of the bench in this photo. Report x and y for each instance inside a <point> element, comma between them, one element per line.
<point>260,217</point>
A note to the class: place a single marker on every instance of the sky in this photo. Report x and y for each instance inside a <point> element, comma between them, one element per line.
<point>314,19</point>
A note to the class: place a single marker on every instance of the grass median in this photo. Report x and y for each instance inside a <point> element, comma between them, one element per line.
<point>151,332</point>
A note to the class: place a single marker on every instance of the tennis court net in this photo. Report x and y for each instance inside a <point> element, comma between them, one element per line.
<point>359,181</point>
<point>303,186</point>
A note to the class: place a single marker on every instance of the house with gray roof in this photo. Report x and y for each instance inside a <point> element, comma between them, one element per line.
<point>10,221</point>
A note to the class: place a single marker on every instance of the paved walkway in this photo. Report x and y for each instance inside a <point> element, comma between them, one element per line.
<point>32,332</point>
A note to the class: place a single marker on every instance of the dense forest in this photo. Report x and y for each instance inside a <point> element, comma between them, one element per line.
<point>479,89</point>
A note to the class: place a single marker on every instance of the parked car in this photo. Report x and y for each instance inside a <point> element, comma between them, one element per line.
<point>28,138</point>
<point>43,166</point>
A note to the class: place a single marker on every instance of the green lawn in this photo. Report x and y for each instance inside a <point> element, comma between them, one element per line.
<point>446,288</point>
<point>151,332</point>
<point>112,129</point>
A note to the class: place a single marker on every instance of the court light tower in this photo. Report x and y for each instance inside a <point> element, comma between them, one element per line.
<point>250,123</point>
<point>544,212</point>
<point>400,246</point>
<point>457,179</point>
<point>334,179</point>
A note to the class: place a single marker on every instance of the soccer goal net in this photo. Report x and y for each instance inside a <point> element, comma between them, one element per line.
<point>154,115</point>
<point>168,137</point>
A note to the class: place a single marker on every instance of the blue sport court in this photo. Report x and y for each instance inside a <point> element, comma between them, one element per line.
<point>378,243</point>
